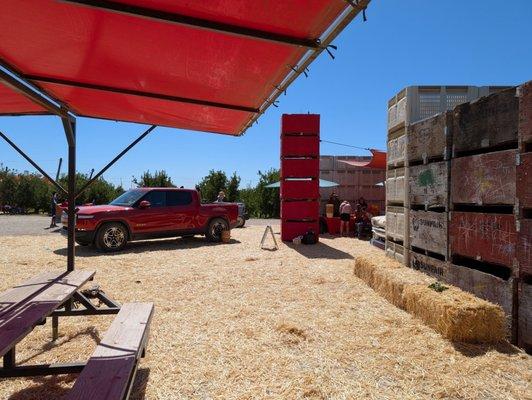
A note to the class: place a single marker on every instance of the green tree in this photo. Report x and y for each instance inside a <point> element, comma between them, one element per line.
<point>8,184</point>
<point>231,193</point>
<point>210,186</point>
<point>268,199</point>
<point>157,179</point>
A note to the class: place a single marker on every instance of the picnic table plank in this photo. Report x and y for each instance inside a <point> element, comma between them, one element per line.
<point>19,293</point>
<point>108,372</point>
<point>19,320</point>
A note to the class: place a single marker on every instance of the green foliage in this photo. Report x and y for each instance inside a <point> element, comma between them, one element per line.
<point>33,193</point>
<point>210,186</point>
<point>157,179</point>
<point>438,287</point>
<point>231,194</point>
<point>263,202</point>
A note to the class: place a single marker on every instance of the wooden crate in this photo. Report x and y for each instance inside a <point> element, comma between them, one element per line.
<point>300,210</point>
<point>524,185</point>
<point>484,237</point>
<point>481,284</point>
<point>300,146</point>
<point>429,185</point>
<point>299,168</point>
<point>525,116</point>
<point>428,231</point>
<point>484,179</point>
<point>488,122</point>
<point>395,222</point>
<point>395,251</point>
<point>299,189</point>
<point>395,185</point>
<point>396,154</point>
<point>524,327</point>
<point>430,139</point>
<point>524,248</point>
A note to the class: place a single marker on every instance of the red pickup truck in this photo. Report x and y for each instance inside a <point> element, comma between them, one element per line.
<point>148,213</point>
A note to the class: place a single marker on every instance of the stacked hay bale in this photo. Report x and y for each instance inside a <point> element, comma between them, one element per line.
<point>456,315</point>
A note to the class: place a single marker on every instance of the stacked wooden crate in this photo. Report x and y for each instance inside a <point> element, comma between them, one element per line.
<point>410,105</point>
<point>524,215</point>
<point>470,218</point>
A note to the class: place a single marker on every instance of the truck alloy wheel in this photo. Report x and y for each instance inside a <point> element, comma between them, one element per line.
<point>111,237</point>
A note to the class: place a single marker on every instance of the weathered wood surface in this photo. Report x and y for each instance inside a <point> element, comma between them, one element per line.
<point>525,113</point>
<point>25,290</point>
<point>395,185</point>
<point>484,237</point>
<point>524,329</point>
<point>487,122</point>
<point>397,111</point>
<point>484,179</point>
<point>429,184</point>
<point>428,231</point>
<point>430,138</point>
<point>395,251</point>
<point>396,154</point>
<point>395,222</point>
<point>524,182</point>
<point>19,320</point>
<point>481,284</point>
<point>524,248</point>
<point>109,370</point>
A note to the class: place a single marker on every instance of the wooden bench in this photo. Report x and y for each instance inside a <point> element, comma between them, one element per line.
<point>27,305</point>
<point>110,372</point>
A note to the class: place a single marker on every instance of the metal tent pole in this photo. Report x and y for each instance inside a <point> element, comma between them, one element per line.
<point>69,124</point>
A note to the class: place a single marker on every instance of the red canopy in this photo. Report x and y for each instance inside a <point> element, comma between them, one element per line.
<point>378,160</point>
<point>200,65</point>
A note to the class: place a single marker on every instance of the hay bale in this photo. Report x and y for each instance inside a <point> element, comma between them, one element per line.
<point>455,314</point>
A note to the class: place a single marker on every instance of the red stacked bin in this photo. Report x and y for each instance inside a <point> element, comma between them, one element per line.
<point>300,151</point>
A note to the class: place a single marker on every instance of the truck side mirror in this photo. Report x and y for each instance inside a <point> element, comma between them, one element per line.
<point>144,204</point>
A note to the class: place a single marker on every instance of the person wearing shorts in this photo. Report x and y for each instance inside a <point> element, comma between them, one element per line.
<point>345,215</point>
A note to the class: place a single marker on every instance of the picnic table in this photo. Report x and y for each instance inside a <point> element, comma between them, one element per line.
<point>110,371</point>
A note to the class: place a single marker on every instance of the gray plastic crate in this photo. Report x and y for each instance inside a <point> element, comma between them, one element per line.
<point>415,103</point>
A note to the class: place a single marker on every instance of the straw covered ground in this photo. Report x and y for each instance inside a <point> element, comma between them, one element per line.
<point>236,322</point>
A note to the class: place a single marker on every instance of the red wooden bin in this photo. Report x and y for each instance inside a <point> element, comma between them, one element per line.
<point>524,248</point>
<point>306,124</point>
<point>300,146</point>
<point>300,210</point>
<point>300,168</point>
<point>484,237</point>
<point>293,229</point>
<point>300,189</point>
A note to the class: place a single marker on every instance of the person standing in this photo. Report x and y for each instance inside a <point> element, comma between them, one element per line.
<point>362,220</point>
<point>345,215</point>
<point>221,197</point>
<point>53,207</point>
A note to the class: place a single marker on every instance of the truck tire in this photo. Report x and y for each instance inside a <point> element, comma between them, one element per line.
<point>240,222</point>
<point>111,236</point>
<point>83,243</point>
<point>215,228</point>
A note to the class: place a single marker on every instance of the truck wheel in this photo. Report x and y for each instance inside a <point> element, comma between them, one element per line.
<point>215,228</point>
<point>111,237</point>
<point>82,243</point>
<point>240,222</point>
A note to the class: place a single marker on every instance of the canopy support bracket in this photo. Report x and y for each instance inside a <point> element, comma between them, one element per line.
<point>33,163</point>
<point>114,160</point>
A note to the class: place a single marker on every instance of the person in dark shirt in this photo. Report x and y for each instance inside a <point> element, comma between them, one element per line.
<point>335,201</point>
<point>362,220</point>
<point>53,205</point>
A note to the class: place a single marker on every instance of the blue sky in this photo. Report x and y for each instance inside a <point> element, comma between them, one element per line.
<point>408,42</point>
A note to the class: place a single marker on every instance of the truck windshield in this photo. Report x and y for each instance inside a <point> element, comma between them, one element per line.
<point>128,198</point>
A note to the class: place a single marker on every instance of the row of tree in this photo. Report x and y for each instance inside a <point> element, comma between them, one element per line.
<point>30,192</point>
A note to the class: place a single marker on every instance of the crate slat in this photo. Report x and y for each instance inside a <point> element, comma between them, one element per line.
<point>430,138</point>
<point>428,231</point>
<point>429,184</point>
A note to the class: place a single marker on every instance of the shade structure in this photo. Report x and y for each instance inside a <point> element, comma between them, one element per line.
<point>202,65</point>
<point>323,184</point>
<point>378,161</point>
